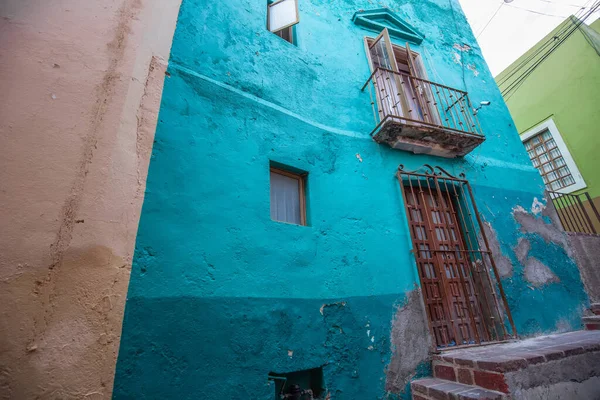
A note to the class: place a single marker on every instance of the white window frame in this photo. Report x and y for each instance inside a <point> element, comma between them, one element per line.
<point>292,23</point>
<point>550,126</point>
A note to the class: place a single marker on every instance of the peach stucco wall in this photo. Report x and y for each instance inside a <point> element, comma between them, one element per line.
<point>80,86</point>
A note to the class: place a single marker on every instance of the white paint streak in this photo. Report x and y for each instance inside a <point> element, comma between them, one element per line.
<point>537,207</point>
<point>456,58</point>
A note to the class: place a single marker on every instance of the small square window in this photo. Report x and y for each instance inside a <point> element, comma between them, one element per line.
<point>282,16</point>
<point>288,197</point>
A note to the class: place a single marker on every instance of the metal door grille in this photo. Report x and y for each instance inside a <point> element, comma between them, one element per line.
<point>457,272</point>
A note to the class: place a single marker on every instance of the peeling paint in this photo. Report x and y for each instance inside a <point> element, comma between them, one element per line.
<point>462,48</point>
<point>473,68</point>
<point>537,273</point>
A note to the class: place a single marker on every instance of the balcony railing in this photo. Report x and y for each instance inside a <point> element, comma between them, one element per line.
<point>418,115</point>
<point>576,215</point>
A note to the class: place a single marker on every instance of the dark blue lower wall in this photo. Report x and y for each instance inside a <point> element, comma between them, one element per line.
<point>224,348</point>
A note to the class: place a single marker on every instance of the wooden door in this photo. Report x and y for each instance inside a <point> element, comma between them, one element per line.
<point>387,79</point>
<point>445,270</point>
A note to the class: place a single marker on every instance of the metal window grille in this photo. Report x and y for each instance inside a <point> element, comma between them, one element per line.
<point>547,158</point>
<point>463,295</point>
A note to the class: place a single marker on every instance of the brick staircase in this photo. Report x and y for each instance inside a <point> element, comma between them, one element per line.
<point>592,322</point>
<point>562,366</point>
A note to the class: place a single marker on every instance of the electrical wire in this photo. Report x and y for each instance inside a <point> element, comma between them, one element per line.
<point>490,20</point>
<point>555,41</point>
<point>513,86</point>
<point>560,4</point>
<point>537,12</point>
<point>540,49</point>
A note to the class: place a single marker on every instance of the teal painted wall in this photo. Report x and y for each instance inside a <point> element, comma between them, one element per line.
<point>219,293</point>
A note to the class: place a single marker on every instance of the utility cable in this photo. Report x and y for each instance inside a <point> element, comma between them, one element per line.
<point>537,12</point>
<point>490,20</point>
<point>519,81</point>
<point>558,42</point>
<point>540,49</point>
<point>514,85</point>
<point>560,4</point>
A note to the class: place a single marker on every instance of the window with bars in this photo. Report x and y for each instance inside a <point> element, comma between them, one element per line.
<point>550,156</point>
<point>547,158</point>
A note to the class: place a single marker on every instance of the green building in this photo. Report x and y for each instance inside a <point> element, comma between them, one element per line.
<point>552,92</point>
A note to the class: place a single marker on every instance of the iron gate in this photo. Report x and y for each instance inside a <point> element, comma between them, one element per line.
<point>458,275</point>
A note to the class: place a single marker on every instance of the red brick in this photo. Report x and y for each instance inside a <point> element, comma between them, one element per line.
<point>490,380</point>
<point>553,354</point>
<point>533,358</point>
<point>502,365</point>
<point>418,387</point>
<point>465,376</point>
<point>444,372</point>
<point>592,327</point>
<point>574,351</point>
<point>464,363</point>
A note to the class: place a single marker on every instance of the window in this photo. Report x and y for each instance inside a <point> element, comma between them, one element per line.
<point>307,384</point>
<point>549,154</point>
<point>282,17</point>
<point>400,75</point>
<point>288,198</point>
<point>458,275</point>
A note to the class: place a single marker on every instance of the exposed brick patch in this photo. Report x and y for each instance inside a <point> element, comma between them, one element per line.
<point>593,347</point>
<point>447,359</point>
<point>573,351</point>
<point>490,380</point>
<point>533,358</point>
<point>445,391</point>
<point>464,363</point>
<point>465,376</point>
<point>553,354</point>
<point>480,394</point>
<point>502,365</point>
<point>444,372</point>
<point>420,386</point>
<point>438,389</point>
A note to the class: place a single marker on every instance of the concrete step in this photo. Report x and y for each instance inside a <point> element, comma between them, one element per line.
<point>595,308</point>
<point>561,364</point>
<point>592,323</point>
<point>439,389</point>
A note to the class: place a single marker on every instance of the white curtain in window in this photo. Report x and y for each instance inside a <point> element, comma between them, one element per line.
<point>285,199</point>
<point>281,14</point>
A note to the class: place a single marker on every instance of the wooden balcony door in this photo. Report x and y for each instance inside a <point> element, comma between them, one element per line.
<point>391,100</point>
<point>399,76</point>
<point>445,268</point>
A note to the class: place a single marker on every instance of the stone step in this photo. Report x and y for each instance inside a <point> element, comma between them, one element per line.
<point>555,359</point>
<point>592,323</point>
<point>439,389</point>
<point>595,308</point>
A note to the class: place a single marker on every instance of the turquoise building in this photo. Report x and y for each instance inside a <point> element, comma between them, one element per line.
<point>297,237</point>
